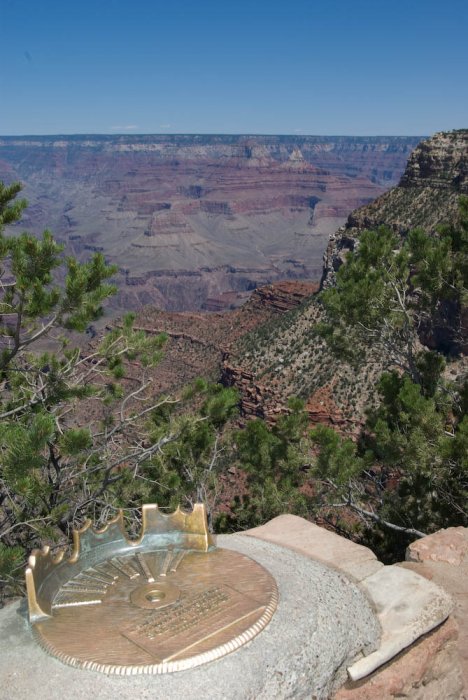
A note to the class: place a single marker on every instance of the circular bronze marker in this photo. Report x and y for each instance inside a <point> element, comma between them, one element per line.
<point>158,611</point>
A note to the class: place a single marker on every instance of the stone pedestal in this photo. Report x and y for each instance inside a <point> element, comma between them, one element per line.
<point>346,627</point>
<point>322,624</point>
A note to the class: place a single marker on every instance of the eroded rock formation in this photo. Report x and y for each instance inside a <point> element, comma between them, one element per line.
<point>427,195</point>
<point>273,363</point>
<point>193,220</point>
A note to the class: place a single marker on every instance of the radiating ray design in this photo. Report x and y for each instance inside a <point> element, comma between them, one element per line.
<point>72,599</point>
<point>90,586</point>
<point>105,570</point>
<point>87,588</point>
<point>124,566</point>
<point>176,560</point>
<point>164,562</point>
<point>144,567</point>
<point>101,572</point>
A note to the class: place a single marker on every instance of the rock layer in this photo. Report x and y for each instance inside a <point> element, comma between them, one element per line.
<point>427,195</point>
<point>191,219</point>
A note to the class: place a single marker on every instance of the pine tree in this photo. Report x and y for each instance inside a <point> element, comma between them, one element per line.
<point>407,475</point>
<point>394,290</point>
<point>56,465</point>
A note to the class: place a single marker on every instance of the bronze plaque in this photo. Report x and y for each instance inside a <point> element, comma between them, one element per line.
<point>153,610</point>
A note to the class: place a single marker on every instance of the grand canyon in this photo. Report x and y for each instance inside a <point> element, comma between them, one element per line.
<point>195,222</point>
<point>227,426</point>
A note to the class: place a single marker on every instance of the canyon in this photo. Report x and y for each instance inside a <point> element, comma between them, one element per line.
<point>268,348</point>
<point>196,222</point>
<point>288,358</point>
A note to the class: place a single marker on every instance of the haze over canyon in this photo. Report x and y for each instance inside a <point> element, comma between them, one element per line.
<point>194,221</point>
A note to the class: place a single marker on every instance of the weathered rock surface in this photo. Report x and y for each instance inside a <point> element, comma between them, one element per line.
<point>189,219</point>
<point>315,542</point>
<point>408,606</point>
<point>449,545</point>
<point>428,670</point>
<point>443,558</point>
<point>283,296</point>
<point>440,162</point>
<point>418,657</point>
<point>427,195</point>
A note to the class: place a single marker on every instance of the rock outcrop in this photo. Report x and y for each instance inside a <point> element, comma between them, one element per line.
<point>440,162</point>
<point>428,670</point>
<point>255,400</point>
<point>427,195</point>
<point>443,558</point>
<point>283,296</point>
<point>288,358</point>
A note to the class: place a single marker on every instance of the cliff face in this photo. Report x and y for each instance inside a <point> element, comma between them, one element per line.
<point>440,162</point>
<point>275,361</point>
<point>427,195</point>
<point>195,222</point>
<point>199,344</point>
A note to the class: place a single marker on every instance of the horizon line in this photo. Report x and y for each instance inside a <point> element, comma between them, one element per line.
<point>216,133</point>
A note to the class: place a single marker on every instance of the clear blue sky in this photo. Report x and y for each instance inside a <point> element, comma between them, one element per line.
<point>233,66</point>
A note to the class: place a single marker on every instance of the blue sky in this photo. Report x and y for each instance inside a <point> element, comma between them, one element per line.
<point>358,67</point>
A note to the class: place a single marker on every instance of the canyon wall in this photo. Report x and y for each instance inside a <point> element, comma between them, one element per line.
<point>196,222</point>
<point>287,358</point>
<point>427,196</point>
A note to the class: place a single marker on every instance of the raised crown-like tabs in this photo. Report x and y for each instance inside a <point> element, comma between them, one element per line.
<point>179,530</point>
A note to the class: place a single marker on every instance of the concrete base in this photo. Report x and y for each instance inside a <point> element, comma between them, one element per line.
<point>323,623</point>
